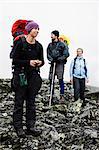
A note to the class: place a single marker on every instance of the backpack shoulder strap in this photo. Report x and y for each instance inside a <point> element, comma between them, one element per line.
<point>57,44</point>
<point>74,64</point>
<point>23,39</point>
<point>84,61</point>
<point>85,67</point>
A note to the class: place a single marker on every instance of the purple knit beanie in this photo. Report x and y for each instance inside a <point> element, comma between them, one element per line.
<point>31,25</point>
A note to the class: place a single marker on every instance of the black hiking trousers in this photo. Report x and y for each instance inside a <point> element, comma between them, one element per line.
<point>79,88</point>
<point>27,93</point>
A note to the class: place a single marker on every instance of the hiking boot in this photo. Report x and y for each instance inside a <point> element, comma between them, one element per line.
<point>20,133</point>
<point>34,132</point>
<point>83,105</point>
<point>62,100</point>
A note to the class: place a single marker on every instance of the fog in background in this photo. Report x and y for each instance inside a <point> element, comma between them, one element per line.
<point>79,20</point>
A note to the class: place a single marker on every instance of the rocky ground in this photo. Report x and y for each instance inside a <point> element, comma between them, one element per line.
<point>65,126</point>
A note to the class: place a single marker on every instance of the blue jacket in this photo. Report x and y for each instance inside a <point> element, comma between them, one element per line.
<point>79,69</point>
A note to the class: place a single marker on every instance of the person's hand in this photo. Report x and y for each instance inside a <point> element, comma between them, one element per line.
<point>33,63</point>
<point>38,63</point>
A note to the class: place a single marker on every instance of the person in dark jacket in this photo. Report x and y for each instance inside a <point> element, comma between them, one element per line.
<point>27,59</point>
<point>57,52</point>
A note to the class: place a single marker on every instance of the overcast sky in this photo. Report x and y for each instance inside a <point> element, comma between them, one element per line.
<point>79,20</point>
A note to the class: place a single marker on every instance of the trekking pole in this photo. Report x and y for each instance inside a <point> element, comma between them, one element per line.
<point>52,84</point>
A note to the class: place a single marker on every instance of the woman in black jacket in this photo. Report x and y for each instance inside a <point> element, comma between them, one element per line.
<point>27,59</point>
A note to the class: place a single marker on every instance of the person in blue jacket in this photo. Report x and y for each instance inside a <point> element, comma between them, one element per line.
<point>79,75</point>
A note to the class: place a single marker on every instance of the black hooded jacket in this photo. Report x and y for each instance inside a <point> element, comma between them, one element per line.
<point>24,52</point>
<point>63,52</point>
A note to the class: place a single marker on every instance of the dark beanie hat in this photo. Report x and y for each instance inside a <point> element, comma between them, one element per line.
<point>56,33</point>
<point>31,25</point>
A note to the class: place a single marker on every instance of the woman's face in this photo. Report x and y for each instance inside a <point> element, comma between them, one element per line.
<point>79,52</point>
<point>34,32</point>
